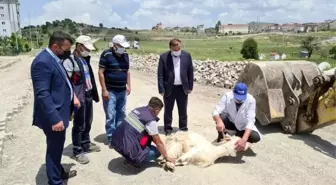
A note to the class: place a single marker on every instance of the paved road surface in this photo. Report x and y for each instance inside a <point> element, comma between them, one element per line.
<point>279,159</point>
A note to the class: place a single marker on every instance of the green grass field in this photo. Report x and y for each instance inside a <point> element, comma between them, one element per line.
<point>224,48</point>
<point>228,48</point>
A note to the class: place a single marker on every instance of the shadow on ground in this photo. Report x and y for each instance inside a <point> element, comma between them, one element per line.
<point>312,140</point>
<point>317,143</point>
<point>101,138</point>
<point>67,151</point>
<point>161,129</point>
<point>269,129</point>
<point>238,159</point>
<point>116,166</point>
<point>41,176</point>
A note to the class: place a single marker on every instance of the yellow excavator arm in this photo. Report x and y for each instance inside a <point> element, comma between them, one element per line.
<point>295,94</point>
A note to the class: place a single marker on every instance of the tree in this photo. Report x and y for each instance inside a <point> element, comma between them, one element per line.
<point>217,26</point>
<point>48,24</point>
<point>27,48</point>
<point>250,49</point>
<point>101,25</point>
<point>332,51</point>
<point>310,44</point>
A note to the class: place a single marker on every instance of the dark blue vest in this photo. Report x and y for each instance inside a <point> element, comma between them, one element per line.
<point>129,135</point>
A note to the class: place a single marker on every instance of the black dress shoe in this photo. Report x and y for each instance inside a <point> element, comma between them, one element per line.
<point>168,132</point>
<point>68,175</point>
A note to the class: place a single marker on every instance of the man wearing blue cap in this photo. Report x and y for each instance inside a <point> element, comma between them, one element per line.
<point>236,111</point>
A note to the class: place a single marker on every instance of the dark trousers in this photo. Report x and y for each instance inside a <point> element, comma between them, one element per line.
<point>82,126</point>
<point>55,145</point>
<point>182,102</point>
<point>254,136</point>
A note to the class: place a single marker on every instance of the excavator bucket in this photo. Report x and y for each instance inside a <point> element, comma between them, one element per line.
<point>281,89</point>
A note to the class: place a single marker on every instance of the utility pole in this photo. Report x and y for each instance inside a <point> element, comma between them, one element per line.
<point>15,27</point>
<point>37,38</point>
<point>31,41</point>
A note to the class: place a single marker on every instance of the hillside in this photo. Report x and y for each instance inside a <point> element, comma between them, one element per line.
<point>40,33</point>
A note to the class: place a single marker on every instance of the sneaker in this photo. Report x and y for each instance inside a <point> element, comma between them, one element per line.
<point>94,148</point>
<point>82,159</point>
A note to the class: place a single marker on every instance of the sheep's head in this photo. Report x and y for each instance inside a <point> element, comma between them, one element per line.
<point>229,145</point>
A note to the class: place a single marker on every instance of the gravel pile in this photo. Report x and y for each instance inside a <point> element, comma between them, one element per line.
<point>211,72</point>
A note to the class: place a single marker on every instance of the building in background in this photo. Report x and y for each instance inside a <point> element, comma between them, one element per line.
<point>234,28</point>
<point>9,17</point>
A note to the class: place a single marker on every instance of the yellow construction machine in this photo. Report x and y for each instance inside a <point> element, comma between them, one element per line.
<point>296,94</point>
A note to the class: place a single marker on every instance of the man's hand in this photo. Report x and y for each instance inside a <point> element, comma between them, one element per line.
<point>105,95</point>
<point>128,90</point>
<point>169,159</point>
<point>77,102</point>
<point>58,127</point>
<point>240,145</point>
<point>220,126</point>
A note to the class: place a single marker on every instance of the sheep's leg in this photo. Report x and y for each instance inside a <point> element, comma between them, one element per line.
<point>204,165</point>
<point>185,158</point>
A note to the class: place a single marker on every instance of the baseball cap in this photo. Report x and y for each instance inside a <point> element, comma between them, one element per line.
<point>240,91</point>
<point>86,41</point>
<point>120,39</point>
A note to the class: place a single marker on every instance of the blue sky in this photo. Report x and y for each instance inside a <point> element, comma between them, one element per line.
<point>146,13</point>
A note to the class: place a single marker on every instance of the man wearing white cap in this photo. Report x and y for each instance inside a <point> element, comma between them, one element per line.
<point>114,77</point>
<point>81,75</point>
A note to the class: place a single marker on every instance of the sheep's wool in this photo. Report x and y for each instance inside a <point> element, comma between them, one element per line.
<point>192,148</point>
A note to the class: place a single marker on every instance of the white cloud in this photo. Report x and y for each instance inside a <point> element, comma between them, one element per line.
<point>146,13</point>
<point>86,11</point>
<point>198,11</point>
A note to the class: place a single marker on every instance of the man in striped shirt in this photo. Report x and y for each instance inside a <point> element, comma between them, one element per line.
<point>114,77</point>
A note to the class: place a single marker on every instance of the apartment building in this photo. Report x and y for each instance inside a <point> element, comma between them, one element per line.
<point>9,17</point>
<point>234,28</point>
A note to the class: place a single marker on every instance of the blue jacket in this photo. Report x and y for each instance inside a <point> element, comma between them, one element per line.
<point>52,93</point>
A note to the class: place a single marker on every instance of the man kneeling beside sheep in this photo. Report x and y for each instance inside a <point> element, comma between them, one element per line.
<point>133,138</point>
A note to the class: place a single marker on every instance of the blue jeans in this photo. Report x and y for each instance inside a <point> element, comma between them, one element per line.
<point>115,111</point>
<point>154,153</point>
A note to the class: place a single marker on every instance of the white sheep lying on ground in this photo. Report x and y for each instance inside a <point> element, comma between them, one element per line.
<point>192,148</point>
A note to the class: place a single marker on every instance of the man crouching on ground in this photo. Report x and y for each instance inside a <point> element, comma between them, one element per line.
<point>133,138</point>
<point>236,111</point>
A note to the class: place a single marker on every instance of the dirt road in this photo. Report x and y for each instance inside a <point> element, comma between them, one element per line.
<point>278,159</point>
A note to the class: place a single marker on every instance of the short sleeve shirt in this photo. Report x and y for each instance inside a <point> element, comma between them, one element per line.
<point>152,128</point>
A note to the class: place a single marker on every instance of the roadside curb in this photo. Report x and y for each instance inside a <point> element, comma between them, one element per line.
<point>7,117</point>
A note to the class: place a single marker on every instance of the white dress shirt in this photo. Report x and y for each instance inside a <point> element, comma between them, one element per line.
<point>177,64</point>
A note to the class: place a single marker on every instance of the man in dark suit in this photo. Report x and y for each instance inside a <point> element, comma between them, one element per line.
<point>53,102</point>
<point>175,82</point>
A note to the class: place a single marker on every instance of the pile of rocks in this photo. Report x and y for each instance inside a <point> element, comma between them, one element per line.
<point>218,73</point>
<point>212,72</point>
